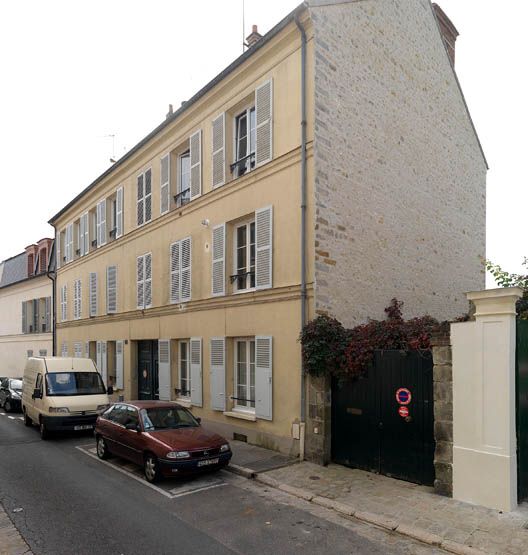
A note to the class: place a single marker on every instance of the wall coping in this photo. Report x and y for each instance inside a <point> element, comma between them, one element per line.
<point>492,302</point>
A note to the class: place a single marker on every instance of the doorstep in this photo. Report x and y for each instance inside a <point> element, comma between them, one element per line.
<point>404,508</point>
<point>249,460</point>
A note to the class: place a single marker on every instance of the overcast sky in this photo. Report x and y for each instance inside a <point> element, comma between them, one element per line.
<point>73,73</point>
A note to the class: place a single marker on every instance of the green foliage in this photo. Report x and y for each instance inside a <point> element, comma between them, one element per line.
<point>507,279</point>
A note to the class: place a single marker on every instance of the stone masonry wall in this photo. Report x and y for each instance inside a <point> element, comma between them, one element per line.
<point>399,175</point>
<point>443,413</point>
<point>318,420</point>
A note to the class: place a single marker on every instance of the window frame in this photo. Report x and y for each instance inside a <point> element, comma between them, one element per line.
<point>182,200</point>
<point>250,155</point>
<point>144,197</point>
<point>184,394</point>
<point>247,223</point>
<point>245,408</point>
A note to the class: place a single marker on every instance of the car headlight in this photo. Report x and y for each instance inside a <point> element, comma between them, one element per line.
<point>102,408</point>
<point>59,409</point>
<point>14,394</point>
<point>178,455</point>
<point>224,448</point>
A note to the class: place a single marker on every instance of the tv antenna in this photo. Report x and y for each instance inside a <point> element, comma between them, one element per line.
<point>113,158</point>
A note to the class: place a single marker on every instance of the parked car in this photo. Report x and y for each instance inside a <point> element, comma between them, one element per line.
<point>11,394</point>
<point>62,394</point>
<point>163,437</point>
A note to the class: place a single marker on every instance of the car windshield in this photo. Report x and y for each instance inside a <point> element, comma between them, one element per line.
<point>74,383</point>
<point>167,418</point>
<point>15,384</point>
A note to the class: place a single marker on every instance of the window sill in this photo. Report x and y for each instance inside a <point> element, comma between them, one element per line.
<point>242,415</point>
<point>184,402</point>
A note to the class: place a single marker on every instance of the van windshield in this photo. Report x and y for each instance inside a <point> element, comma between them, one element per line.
<point>74,383</point>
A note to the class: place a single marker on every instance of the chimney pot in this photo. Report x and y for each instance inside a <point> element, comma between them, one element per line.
<point>170,112</point>
<point>254,37</point>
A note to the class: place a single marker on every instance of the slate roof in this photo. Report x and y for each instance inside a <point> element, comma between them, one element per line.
<point>15,269</point>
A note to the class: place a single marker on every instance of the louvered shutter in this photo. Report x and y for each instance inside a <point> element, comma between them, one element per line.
<point>218,261</point>
<point>119,365</point>
<point>218,171</point>
<point>104,369</point>
<point>58,249</point>
<point>64,351</point>
<point>111,289</point>
<point>196,371</point>
<point>148,280</point>
<point>87,349</point>
<point>185,269</point>
<point>140,200</point>
<point>217,380</point>
<point>81,236</point>
<point>264,377</point>
<point>264,123</point>
<point>77,350</point>
<point>85,235</point>
<point>164,371</point>
<point>264,248</point>
<point>47,318</point>
<point>140,280</point>
<point>69,243</point>
<point>92,289</point>
<point>175,272</point>
<point>148,195</point>
<point>119,212</point>
<point>101,223</point>
<point>164,183</point>
<point>24,317</point>
<point>195,142</point>
<point>77,299</point>
<point>98,359</point>
<point>64,303</point>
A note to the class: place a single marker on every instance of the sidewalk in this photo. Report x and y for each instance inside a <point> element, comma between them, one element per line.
<point>249,460</point>
<point>406,508</point>
<point>11,542</point>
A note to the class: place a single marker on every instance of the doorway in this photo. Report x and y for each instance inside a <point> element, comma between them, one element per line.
<point>147,370</point>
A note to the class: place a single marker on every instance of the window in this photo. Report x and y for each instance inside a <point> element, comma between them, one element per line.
<point>38,383</point>
<point>184,179</point>
<point>43,352</point>
<point>244,257</point>
<point>92,289</point>
<point>30,354</point>
<point>84,234</point>
<point>77,307</point>
<point>185,373</point>
<point>101,223</point>
<point>77,237</point>
<point>245,140</point>
<point>64,303</point>
<point>144,197</point>
<point>43,257</point>
<point>144,281</point>
<point>113,217</point>
<point>68,253</point>
<point>245,374</point>
<point>180,271</point>
<point>111,289</point>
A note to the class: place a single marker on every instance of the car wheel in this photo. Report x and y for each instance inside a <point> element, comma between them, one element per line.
<point>27,421</point>
<point>7,405</point>
<point>102,449</point>
<point>44,433</point>
<point>151,469</point>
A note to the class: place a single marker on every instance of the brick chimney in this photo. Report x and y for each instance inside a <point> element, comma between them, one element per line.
<point>31,255</point>
<point>255,36</point>
<point>448,30</point>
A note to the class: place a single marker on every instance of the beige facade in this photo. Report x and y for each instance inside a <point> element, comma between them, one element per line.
<point>209,290</point>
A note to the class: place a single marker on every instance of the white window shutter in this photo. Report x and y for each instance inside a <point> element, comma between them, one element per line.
<point>85,242</point>
<point>140,280</point>
<point>77,299</point>
<point>148,195</point>
<point>140,200</point>
<point>218,261</point>
<point>77,350</point>
<point>264,377</point>
<point>64,303</point>
<point>175,274</point>
<point>93,293</point>
<point>195,142</point>
<point>148,280</point>
<point>217,380</point>
<point>196,371</point>
<point>111,289</point>
<point>119,364</point>
<point>104,370</point>
<point>64,350</point>
<point>81,236</point>
<point>185,268</point>
<point>98,360</point>
<point>264,123</point>
<point>87,349</point>
<point>24,317</point>
<point>164,184</point>
<point>69,243</point>
<point>164,369</point>
<point>58,249</point>
<point>264,248</point>
<point>101,223</point>
<point>119,212</point>
<point>218,132</point>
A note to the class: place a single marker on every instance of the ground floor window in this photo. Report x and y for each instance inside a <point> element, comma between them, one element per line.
<point>185,371</point>
<point>245,374</point>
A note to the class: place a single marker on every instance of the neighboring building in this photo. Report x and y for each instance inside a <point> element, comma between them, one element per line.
<point>180,268</point>
<point>26,319</point>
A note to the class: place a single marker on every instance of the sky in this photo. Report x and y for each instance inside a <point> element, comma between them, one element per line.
<point>73,74</point>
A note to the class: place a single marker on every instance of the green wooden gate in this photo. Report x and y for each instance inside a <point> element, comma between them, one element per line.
<point>522,408</point>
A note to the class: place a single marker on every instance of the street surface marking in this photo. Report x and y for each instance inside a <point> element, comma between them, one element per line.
<point>195,486</point>
<point>15,417</point>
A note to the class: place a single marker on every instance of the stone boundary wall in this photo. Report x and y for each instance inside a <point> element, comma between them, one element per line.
<point>443,413</point>
<point>318,434</point>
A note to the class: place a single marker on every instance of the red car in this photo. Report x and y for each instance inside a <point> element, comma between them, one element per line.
<point>163,437</point>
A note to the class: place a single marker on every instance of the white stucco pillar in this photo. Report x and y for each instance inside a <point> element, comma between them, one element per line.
<point>484,435</point>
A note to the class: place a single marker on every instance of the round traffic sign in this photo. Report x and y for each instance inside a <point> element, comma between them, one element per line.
<point>403,412</point>
<point>403,396</point>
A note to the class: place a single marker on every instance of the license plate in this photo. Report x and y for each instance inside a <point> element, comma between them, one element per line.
<point>208,462</point>
<point>83,427</point>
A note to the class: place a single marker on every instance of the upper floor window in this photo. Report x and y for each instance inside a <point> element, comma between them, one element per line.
<point>184,179</point>
<point>144,197</point>
<point>244,256</point>
<point>245,140</point>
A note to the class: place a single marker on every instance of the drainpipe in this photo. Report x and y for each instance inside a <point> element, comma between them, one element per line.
<point>53,276</point>
<point>303,224</point>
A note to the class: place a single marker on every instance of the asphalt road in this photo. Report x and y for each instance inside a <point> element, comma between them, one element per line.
<point>72,503</point>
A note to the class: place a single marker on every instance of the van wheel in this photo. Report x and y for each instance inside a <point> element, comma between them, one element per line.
<point>44,433</point>
<point>102,449</point>
<point>151,469</point>
<point>27,421</point>
<point>7,405</point>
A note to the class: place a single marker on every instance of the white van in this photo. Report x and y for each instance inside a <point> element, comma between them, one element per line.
<point>62,394</point>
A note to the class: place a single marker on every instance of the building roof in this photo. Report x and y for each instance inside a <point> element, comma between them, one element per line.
<point>15,270</point>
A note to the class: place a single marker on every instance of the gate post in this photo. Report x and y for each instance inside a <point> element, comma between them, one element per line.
<point>484,434</point>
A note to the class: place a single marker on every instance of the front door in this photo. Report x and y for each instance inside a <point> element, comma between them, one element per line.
<point>148,378</point>
<point>522,408</point>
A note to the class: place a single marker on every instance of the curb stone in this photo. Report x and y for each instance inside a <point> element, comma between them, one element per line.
<point>377,520</point>
<point>240,470</point>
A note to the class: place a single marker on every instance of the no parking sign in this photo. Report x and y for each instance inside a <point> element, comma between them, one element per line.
<point>403,396</point>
